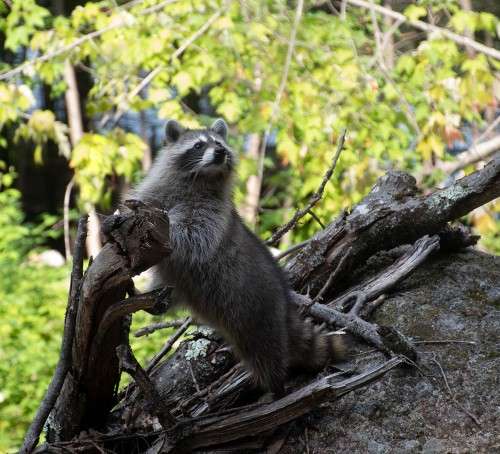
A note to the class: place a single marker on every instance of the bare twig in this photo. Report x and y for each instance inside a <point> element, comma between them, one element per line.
<point>477,152</point>
<point>279,93</point>
<point>373,306</point>
<point>54,388</point>
<point>193,376</point>
<point>313,200</point>
<point>147,330</point>
<point>129,364</point>
<point>208,390</point>
<point>487,131</point>
<point>435,361</point>
<point>316,218</point>
<point>168,346</point>
<point>452,395</point>
<point>292,249</point>
<point>405,104</point>
<point>224,393</point>
<point>332,277</point>
<point>445,341</point>
<point>424,26</point>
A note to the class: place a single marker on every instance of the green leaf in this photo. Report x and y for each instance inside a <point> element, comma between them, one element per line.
<point>415,12</point>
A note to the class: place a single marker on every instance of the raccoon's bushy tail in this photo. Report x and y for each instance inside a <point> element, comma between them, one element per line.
<point>311,346</point>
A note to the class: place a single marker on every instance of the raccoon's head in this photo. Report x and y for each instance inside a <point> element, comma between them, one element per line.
<point>199,153</point>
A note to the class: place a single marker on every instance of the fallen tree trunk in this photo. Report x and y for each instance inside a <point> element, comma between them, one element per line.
<point>201,379</point>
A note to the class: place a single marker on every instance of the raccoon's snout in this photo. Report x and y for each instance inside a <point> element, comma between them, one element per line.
<point>220,156</point>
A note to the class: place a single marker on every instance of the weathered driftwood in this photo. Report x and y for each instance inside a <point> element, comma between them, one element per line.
<point>189,385</point>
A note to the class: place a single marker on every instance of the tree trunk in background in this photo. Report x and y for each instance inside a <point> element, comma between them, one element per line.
<point>73,104</point>
<point>76,132</point>
<point>466,5</point>
<point>389,43</point>
<point>250,209</point>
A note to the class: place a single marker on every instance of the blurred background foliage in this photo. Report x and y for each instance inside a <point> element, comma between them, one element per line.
<point>86,87</point>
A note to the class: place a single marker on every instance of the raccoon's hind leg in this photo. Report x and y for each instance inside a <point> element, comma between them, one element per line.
<point>269,372</point>
<point>265,353</point>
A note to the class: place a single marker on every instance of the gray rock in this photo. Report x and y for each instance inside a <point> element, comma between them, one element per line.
<point>376,448</point>
<point>449,297</point>
<point>433,446</point>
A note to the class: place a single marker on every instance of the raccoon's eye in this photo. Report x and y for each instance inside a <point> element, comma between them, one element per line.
<point>198,146</point>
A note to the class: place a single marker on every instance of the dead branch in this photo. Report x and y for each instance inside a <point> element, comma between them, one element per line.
<point>188,405</point>
<point>129,364</point>
<point>170,343</point>
<point>369,290</point>
<point>445,341</point>
<point>291,250</point>
<point>240,423</point>
<point>213,430</point>
<point>476,153</point>
<point>54,388</point>
<point>145,301</point>
<point>136,241</point>
<point>352,323</point>
<point>313,200</point>
<point>147,330</point>
<point>384,281</point>
<point>392,214</point>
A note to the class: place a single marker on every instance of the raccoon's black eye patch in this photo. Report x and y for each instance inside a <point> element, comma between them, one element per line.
<point>198,146</point>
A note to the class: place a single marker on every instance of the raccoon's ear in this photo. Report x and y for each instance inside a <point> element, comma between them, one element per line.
<point>219,126</point>
<point>173,131</point>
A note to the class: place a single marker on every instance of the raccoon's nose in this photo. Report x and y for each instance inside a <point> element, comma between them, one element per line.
<point>219,155</point>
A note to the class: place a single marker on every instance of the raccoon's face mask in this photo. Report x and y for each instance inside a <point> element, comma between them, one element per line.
<point>200,152</point>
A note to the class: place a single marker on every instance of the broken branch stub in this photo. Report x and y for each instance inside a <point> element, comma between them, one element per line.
<point>136,240</point>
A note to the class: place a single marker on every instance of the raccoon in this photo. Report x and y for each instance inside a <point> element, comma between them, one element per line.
<point>220,270</point>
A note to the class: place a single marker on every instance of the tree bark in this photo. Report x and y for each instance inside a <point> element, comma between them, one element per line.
<point>137,240</point>
<point>391,214</point>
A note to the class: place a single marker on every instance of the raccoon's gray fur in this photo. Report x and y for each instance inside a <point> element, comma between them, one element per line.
<point>220,269</point>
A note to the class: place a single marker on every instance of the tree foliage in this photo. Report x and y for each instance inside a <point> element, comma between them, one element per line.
<point>402,115</point>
